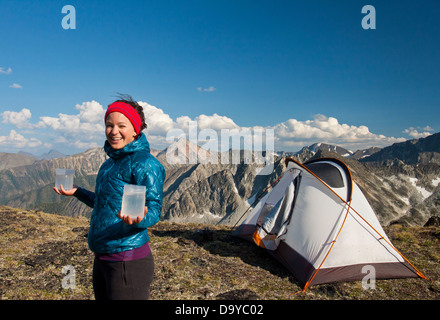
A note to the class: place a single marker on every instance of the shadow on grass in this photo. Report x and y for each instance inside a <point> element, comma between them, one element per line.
<point>223,243</point>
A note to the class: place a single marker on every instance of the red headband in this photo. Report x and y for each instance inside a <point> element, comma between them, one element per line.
<point>128,111</point>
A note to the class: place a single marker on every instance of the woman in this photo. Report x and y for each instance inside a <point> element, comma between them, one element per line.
<point>123,266</point>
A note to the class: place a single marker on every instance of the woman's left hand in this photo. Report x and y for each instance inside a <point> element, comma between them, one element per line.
<point>129,220</point>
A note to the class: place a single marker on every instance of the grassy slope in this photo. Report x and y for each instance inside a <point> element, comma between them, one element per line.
<point>192,262</point>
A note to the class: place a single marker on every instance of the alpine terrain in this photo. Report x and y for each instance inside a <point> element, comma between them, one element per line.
<point>401,181</point>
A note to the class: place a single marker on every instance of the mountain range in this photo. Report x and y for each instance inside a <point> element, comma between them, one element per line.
<point>401,181</point>
<point>22,158</point>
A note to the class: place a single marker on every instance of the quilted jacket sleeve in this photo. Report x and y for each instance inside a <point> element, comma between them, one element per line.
<point>151,174</point>
<point>85,196</point>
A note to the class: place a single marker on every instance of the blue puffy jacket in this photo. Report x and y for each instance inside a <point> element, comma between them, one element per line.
<point>134,164</point>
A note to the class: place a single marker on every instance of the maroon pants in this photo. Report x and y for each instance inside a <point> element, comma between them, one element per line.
<point>123,280</point>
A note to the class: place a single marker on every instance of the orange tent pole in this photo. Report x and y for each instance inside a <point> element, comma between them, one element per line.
<point>349,206</point>
<point>333,243</point>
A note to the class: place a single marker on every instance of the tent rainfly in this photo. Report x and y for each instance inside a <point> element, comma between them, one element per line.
<point>319,225</point>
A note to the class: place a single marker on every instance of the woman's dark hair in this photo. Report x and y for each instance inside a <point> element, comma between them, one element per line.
<point>129,100</point>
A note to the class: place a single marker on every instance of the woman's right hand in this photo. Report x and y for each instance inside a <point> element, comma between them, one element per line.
<point>64,192</point>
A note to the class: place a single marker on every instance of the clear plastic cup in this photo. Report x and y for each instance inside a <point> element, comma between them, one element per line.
<point>64,177</point>
<point>133,201</point>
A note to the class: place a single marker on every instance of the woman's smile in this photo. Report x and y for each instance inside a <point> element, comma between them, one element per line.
<point>119,130</point>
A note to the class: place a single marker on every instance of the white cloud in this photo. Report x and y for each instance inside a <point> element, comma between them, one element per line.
<point>15,86</point>
<point>85,129</point>
<point>159,123</point>
<point>89,121</point>
<point>414,133</point>
<point>428,128</point>
<point>5,71</point>
<point>82,130</point>
<point>210,89</point>
<point>19,119</point>
<point>328,129</point>
<point>91,112</point>
<point>215,122</point>
<point>86,144</point>
<point>18,141</point>
<point>289,135</point>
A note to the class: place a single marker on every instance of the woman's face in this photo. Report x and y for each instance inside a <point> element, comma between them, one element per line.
<point>119,130</point>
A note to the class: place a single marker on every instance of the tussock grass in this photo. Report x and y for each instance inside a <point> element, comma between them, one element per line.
<point>193,262</point>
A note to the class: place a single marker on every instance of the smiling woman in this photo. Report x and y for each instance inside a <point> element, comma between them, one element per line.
<point>118,130</point>
<point>124,120</point>
<point>124,264</point>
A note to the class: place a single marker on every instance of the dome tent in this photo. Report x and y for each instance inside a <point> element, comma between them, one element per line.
<point>318,223</point>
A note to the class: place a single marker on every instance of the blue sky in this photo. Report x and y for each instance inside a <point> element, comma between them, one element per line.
<point>306,69</point>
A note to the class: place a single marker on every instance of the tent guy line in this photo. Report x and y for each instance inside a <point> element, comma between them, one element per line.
<point>300,224</point>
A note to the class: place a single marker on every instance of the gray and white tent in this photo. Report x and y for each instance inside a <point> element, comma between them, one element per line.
<point>319,224</point>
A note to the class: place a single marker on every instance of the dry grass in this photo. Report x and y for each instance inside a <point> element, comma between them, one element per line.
<point>193,262</point>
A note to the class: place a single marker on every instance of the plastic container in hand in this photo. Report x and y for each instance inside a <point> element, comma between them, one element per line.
<point>133,201</point>
<point>64,177</point>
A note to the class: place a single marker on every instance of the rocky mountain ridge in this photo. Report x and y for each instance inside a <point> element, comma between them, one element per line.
<point>417,151</point>
<point>51,154</point>
<point>10,160</point>
<point>212,191</point>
